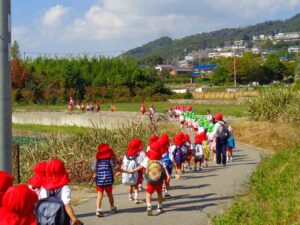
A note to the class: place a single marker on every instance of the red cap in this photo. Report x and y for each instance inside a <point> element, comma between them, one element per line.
<point>56,175</point>
<point>154,153</point>
<point>39,177</point>
<point>218,116</point>
<point>199,138</point>
<point>104,152</point>
<point>6,181</point>
<point>164,143</point>
<point>133,148</point>
<point>18,205</point>
<point>187,138</point>
<point>153,138</point>
<point>179,139</point>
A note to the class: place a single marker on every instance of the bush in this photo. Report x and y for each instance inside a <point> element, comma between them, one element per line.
<point>276,104</point>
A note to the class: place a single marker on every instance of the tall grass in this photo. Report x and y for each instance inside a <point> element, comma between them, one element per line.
<point>279,104</point>
<point>78,151</point>
<point>274,196</point>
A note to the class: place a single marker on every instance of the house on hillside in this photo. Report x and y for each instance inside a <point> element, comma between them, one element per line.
<point>205,69</point>
<point>180,71</point>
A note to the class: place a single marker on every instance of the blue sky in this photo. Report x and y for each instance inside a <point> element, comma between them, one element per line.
<point>110,26</point>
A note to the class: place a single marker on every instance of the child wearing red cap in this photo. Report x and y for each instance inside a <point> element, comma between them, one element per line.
<point>57,181</point>
<point>188,152</point>
<point>6,181</point>
<point>143,109</point>
<point>199,150</point>
<point>164,142</point>
<point>177,153</point>
<point>36,182</point>
<point>152,139</point>
<point>18,206</point>
<point>155,172</point>
<point>131,160</point>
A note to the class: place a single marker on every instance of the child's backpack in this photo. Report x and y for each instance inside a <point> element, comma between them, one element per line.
<point>225,132</point>
<point>51,210</point>
<point>230,142</point>
<point>166,160</point>
<point>104,173</point>
<point>154,172</point>
<point>178,156</point>
<point>206,148</point>
<point>199,151</point>
<point>130,164</point>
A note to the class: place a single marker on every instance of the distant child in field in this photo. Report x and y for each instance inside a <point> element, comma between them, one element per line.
<point>105,168</point>
<point>182,120</point>
<point>155,172</point>
<point>143,109</point>
<point>92,107</point>
<point>130,162</point>
<point>71,104</point>
<point>97,107</point>
<point>230,145</point>
<point>164,142</point>
<point>112,108</point>
<point>78,106</point>
<point>82,107</point>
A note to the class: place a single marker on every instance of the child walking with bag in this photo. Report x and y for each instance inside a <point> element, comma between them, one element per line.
<point>130,162</point>
<point>230,145</point>
<point>155,172</point>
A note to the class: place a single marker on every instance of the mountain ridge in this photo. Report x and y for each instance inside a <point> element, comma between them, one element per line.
<point>168,48</point>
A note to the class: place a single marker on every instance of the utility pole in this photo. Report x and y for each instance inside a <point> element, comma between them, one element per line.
<point>5,87</point>
<point>234,70</point>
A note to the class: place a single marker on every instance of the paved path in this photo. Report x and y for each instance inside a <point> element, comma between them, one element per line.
<point>195,197</point>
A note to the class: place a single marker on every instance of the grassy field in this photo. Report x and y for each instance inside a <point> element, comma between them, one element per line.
<point>274,195</point>
<point>68,130</point>
<point>227,110</point>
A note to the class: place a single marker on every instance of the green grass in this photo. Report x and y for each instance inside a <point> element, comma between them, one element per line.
<point>70,130</point>
<point>227,110</point>
<point>274,196</point>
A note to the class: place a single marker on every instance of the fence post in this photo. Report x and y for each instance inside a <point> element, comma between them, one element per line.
<point>16,162</point>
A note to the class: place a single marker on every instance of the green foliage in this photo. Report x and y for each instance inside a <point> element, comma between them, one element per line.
<point>52,81</point>
<point>274,193</point>
<point>276,104</point>
<point>15,50</point>
<point>221,75</point>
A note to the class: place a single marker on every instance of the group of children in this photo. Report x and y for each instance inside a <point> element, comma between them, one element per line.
<point>87,107</point>
<point>29,204</point>
<point>44,200</point>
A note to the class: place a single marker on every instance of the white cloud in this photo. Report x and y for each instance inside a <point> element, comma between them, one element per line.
<point>54,15</point>
<point>111,22</point>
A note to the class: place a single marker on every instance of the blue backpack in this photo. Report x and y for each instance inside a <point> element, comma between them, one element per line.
<point>178,155</point>
<point>51,210</point>
<point>230,142</point>
<point>168,163</point>
<point>104,173</point>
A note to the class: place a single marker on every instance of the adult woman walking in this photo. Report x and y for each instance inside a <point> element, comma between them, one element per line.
<point>220,133</point>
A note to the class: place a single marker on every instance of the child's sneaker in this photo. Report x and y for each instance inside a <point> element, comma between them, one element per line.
<point>167,195</point>
<point>149,211</point>
<point>136,201</point>
<point>113,209</point>
<point>99,213</point>
<point>130,198</point>
<point>159,209</point>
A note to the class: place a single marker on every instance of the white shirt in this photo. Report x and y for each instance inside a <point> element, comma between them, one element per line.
<point>217,130</point>
<point>66,194</point>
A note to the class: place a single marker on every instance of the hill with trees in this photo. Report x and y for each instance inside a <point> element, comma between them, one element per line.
<point>166,48</point>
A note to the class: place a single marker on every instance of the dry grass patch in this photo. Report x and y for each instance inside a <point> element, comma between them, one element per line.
<point>266,135</point>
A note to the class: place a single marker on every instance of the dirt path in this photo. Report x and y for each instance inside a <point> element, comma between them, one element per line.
<point>195,197</point>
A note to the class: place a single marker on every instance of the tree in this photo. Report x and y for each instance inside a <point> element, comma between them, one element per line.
<point>19,73</point>
<point>274,69</point>
<point>220,75</point>
<point>15,50</point>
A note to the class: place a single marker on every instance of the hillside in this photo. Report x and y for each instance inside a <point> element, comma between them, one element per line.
<point>168,48</point>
